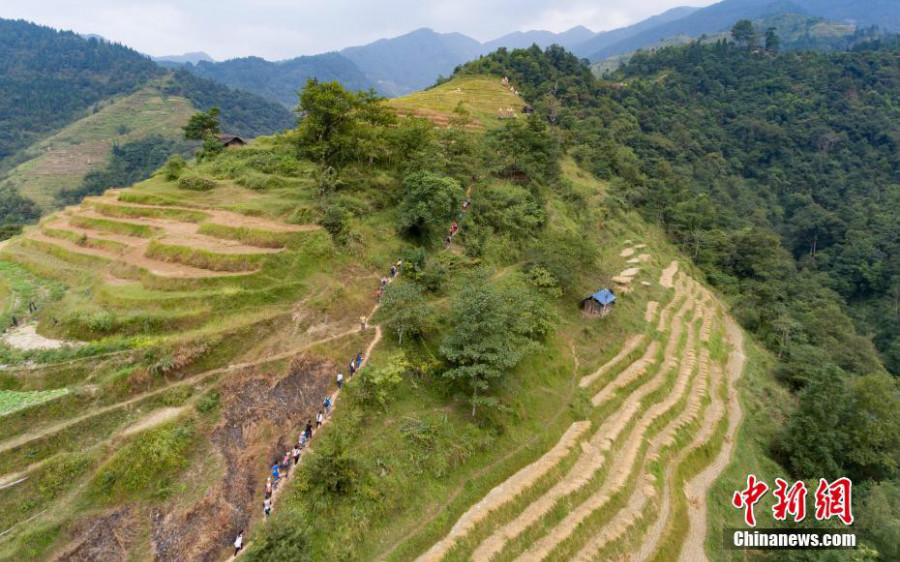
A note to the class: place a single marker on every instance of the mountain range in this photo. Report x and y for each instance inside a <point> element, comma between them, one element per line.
<point>410,62</point>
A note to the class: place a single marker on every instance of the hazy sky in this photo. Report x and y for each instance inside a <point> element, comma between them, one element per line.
<point>279,29</point>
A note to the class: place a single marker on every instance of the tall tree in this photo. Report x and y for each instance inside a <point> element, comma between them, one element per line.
<point>430,203</point>
<point>404,309</point>
<point>202,125</point>
<point>743,33</point>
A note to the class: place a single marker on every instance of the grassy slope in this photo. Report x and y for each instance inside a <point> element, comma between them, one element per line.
<point>482,96</point>
<point>432,462</point>
<point>60,161</point>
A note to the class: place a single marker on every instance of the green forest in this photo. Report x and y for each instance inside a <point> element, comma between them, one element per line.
<point>38,93</point>
<point>778,174</point>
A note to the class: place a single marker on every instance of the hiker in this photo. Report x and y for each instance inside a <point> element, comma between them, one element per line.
<point>378,294</point>
<point>320,418</point>
<point>301,441</point>
<point>276,474</point>
<point>340,380</point>
<point>239,542</point>
<point>286,461</point>
<point>269,487</point>
<point>308,431</point>
<point>296,454</point>
<point>455,227</point>
<point>384,282</point>
<point>358,360</point>
<point>399,264</point>
<point>447,241</point>
<point>352,367</point>
<point>362,323</point>
<point>327,405</point>
<point>393,271</point>
<point>466,205</point>
<point>267,507</point>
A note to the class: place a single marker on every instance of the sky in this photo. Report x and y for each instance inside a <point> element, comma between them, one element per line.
<point>281,29</point>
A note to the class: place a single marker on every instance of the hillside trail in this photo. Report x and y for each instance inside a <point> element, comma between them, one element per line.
<point>335,397</point>
<point>595,454</point>
<point>31,436</point>
<point>697,489</point>
<point>485,469</point>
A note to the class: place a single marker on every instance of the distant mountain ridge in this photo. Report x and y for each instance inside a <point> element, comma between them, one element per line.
<point>52,80</point>
<point>399,65</point>
<point>192,57</point>
<point>721,16</point>
<point>393,67</point>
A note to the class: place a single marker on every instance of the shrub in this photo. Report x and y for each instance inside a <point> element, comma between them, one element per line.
<point>151,459</point>
<point>195,183</point>
<point>208,402</point>
<point>302,214</point>
<point>174,167</point>
<point>376,386</point>
<point>260,182</point>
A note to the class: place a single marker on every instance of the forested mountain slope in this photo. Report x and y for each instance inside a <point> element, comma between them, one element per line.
<point>67,102</point>
<point>51,77</point>
<point>778,174</point>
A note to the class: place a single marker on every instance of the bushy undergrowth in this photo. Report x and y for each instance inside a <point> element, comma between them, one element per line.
<point>247,235</point>
<point>203,259</point>
<point>146,465</point>
<point>112,226</point>
<point>195,182</point>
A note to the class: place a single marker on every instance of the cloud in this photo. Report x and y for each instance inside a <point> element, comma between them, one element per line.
<point>279,29</point>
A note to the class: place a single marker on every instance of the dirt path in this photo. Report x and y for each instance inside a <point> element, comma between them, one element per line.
<point>507,491</point>
<point>27,437</point>
<point>157,417</point>
<point>697,489</point>
<point>26,338</point>
<point>228,218</point>
<point>630,345</point>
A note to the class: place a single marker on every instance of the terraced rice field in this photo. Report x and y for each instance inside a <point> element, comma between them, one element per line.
<point>623,483</point>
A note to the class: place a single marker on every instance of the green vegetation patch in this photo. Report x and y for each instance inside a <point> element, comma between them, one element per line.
<point>114,227</point>
<point>185,215</point>
<point>86,241</point>
<point>12,400</point>
<point>251,236</point>
<point>146,465</point>
<point>204,259</point>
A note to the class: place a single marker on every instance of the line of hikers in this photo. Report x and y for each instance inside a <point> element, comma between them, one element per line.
<point>285,465</point>
<point>454,227</point>
<point>395,271</point>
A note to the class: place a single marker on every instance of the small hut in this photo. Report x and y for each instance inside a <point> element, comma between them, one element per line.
<point>229,141</point>
<point>599,304</point>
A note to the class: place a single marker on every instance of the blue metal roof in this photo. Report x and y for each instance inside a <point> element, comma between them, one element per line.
<point>604,297</point>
